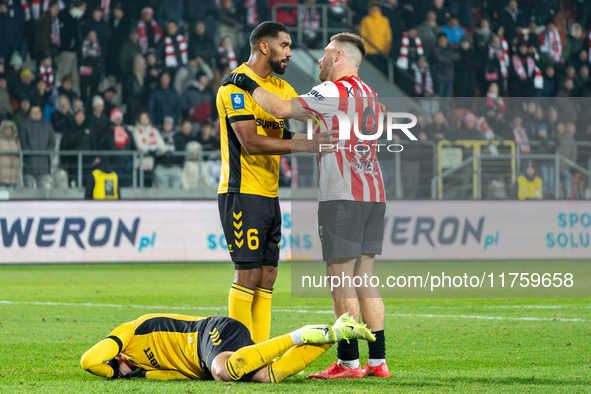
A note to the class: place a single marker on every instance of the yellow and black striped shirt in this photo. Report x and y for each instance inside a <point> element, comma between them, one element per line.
<point>163,342</point>
<point>243,173</point>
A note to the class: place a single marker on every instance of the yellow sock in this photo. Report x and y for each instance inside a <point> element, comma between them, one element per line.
<point>251,358</point>
<point>295,360</point>
<point>260,325</point>
<point>240,303</point>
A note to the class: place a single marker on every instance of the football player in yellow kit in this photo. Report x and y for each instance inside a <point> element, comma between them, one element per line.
<point>170,346</point>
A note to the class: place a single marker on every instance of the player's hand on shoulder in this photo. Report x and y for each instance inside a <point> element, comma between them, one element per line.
<point>319,143</point>
<point>241,81</point>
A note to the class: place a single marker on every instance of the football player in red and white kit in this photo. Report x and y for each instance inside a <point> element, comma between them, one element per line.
<point>352,197</point>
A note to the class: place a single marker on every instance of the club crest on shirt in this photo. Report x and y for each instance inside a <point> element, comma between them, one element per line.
<point>237,100</point>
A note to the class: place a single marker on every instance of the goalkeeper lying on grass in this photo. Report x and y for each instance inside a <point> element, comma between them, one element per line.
<point>169,346</point>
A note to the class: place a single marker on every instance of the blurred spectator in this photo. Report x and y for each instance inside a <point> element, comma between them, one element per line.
<point>205,11</point>
<point>148,29</point>
<point>187,74</point>
<point>227,60</point>
<point>482,37</point>
<point>439,9</point>
<point>428,32</point>
<point>133,90</point>
<point>164,101</point>
<point>453,31</point>
<point>574,43</point>
<point>9,164</point>
<point>463,8</point>
<point>423,79</point>
<point>197,99</point>
<point>549,88</point>
<point>375,29</point>
<point>444,59</point>
<point>103,183</point>
<point>5,103</point>
<point>552,42</point>
<point>391,9</point>
<point>10,34</point>
<point>71,39</point>
<point>98,120</point>
<point>529,186</point>
<point>251,13</point>
<point>440,129</point>
<point>117,138</point>
<point>173,49</point>
<point>201,45</point>
<point>521,138</point>
<point>90,65</point>
<point>109,96</point>
<point>36,134</point>
<point>410,50</point>
<point>567,149</point>
<point>119,23</point>
<point>495,70</point>
<point>14,69</point>
<point>525,78</point>
<point>147,139</point>
<point>22,113</point>
<point>168,171</point>
<point>208,142</point>
<point>128,53</point>
<point>46,72</point>
<point>79,136</point>
<point>544,10</point>
<point>547,145</point>
<point>66,88</point>
<point>568,106</point>
<point>25,89</point>
<point>466,68</point>
<point>48,32</point>
<point>170,10</point>
<point>310,21</point>
<point>512,18</point>
<point>61,118</point>
<point>102,29</point>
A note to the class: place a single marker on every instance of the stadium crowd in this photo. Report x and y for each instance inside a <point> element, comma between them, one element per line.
<point>102,75</point>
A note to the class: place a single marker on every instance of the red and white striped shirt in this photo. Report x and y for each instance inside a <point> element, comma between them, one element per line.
<point>348,174</point>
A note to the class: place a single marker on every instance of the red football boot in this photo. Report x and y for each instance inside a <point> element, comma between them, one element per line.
<point>381,371</point>
<point>337,371</point>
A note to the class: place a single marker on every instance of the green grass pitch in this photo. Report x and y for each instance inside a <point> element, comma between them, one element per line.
<point>51,314</point>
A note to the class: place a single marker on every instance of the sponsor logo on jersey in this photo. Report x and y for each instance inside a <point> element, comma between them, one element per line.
<point>237,100</point>
<point>269,124</point>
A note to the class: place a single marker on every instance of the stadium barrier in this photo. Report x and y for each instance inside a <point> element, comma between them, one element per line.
<point>190,231</point>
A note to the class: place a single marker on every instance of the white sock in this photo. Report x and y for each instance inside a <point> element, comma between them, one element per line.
<point>350,364</point>
<point>338,332</point>
<point>374,362</point>
<point>296,337</point>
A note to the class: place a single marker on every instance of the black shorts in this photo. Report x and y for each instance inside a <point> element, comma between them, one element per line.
<point>350,228</point>
<point>220,334</point>
<point>252,226</point>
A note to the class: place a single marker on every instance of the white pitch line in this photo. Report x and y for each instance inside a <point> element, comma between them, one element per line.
<point>302,310</point>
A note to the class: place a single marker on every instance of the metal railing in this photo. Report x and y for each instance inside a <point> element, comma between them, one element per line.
<point>137,160</point>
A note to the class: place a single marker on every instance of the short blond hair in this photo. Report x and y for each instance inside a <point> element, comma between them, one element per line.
<point>354,42</point>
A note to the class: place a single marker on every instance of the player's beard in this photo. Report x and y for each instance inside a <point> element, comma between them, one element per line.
<point>276,65</point>
<point>325,70</point>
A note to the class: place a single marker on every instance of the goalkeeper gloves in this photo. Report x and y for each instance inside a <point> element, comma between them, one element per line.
<point>241,81</point>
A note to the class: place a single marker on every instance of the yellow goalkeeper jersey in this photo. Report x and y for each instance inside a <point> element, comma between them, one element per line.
<point>243,173</point>
<point>162,342</point>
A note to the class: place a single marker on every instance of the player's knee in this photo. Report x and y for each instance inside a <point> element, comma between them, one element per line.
<point>268,277</point>
<point>248,278</point>
<point>85,362</point>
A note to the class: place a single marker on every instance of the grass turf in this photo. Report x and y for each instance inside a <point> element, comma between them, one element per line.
<point>433,345</point>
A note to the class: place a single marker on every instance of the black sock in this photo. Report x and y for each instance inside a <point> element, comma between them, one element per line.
<point>348,351</point>
<point>377,349</point>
